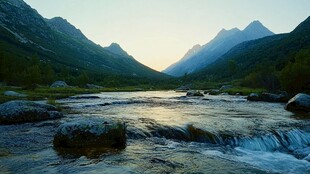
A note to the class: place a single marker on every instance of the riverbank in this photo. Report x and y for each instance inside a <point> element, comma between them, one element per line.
<point>51,94</point>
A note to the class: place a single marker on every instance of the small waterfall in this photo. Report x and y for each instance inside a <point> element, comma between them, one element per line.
<point>273,141</point>
<point>290,140</point>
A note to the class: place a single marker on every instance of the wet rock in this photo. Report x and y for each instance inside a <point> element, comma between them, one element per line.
<point>183,88</point>
<point>84,97</point>
<point>269,97</point>
<point>307,158</point>
<point>280,97</point>
<point>301,102</point>
<point>94,133</point>
<point>14,94</point>
<point>59,84</point>
<point>194,94</point>
<point>20,111</point>
<point>214,92</point>
<point>253,97</point>
<point>225,87</point>
<point>92,86</point>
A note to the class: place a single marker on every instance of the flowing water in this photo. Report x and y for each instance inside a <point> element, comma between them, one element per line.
<point>168,133</point>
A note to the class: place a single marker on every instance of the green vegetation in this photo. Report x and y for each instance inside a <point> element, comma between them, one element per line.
<point>279,62</point>
<point>243,90</point>
<point>30,72</point>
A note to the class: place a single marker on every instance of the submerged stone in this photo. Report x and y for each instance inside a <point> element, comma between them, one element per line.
<point>20,111</point>
<point>91,133</point>
<point>194,94</point>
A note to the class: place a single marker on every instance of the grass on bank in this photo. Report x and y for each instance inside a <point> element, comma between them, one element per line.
<point>52,94</point>
<point>243,90</point>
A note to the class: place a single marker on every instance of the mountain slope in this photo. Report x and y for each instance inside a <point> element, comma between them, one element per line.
<point>274,51</point>
<point>223,42</point>
<point>24,32</point>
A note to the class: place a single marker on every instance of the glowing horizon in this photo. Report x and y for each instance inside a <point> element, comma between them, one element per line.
<point>158,33</point>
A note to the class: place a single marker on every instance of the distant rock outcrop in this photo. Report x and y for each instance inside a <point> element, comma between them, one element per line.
<point>20,111</point>
<point>92,86</point>
<point>59,84</point>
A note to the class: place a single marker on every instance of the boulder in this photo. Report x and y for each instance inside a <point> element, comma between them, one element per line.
<point>91,133</point>
<point>194,94</point>
<point>269,97</point>
<point>183,88</point>
<point>300,102</point>
<point>253,97</point>
<point>214,92</point>
<point>92,86</point>
<point>59,84</point>
<point>225,87</point>
<point>14,94</point>
<point>20,111</point>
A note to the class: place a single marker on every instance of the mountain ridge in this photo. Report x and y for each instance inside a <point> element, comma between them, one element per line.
<point>264,61</point>
<point>218,46</point>
<point>25,32</point>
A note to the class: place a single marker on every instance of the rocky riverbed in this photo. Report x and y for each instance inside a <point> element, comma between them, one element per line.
<point>166,132</point>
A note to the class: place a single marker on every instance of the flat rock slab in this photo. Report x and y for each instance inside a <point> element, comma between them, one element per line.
<point>91,133</point>
<point>21,111</point>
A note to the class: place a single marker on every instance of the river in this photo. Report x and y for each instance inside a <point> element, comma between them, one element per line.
<point>168,133</point>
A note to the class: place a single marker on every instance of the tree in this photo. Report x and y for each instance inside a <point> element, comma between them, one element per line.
<point>64,73</point>
<point>232,67</point>
<point>83,79</point>
<point>34,75</point>
<point>48,74</point>
<point>295,76</point>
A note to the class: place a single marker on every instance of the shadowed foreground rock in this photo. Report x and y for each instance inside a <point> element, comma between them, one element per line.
<point>94,133</point>
<point>20,111</point>
<point>301,102</point>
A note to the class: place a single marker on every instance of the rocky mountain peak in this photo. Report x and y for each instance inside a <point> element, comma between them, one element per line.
<point>256,30</point>
<point>304,26</point>
<point>63,26</point>
<point>116,49</point>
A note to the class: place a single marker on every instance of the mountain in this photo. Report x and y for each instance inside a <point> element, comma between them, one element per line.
<point>191,52</point>
<point>265,59</point>
<point>63,26</point>
<point>24,32</point>
<point>117,49</point>
<point>223,42</point>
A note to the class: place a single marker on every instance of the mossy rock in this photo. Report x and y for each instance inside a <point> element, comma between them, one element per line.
<point>91,134</point>
<point>21,111</point>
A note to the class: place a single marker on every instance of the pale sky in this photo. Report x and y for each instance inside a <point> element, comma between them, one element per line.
<point>159,32</point>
